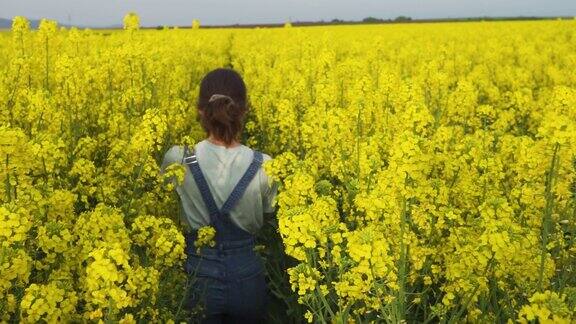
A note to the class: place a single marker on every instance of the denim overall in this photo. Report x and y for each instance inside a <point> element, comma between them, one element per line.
<point>229,279</point>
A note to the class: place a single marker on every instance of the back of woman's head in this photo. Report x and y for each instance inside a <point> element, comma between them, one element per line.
<point>222,104</point>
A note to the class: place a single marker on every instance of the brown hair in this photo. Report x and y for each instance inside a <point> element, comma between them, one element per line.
<point>222,102</point>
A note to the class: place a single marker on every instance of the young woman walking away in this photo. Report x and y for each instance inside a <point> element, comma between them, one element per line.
<point>225,187</point>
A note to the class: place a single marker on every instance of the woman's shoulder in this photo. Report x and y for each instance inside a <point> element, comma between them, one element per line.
<point>266,157</point>
<point>176,152</point>
<point>249,150</point>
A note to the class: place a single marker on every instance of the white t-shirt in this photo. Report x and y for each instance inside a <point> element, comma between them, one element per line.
<point>223,167</point>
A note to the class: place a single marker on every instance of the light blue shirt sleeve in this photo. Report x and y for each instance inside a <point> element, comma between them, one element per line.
<point>175,155</point>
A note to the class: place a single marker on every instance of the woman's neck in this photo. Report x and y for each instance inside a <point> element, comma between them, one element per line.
<point>216,141</point>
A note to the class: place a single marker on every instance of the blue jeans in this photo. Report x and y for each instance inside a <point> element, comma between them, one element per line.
<point>228,282</point>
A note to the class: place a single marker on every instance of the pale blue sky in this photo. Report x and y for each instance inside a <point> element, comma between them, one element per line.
<point>181,12</point>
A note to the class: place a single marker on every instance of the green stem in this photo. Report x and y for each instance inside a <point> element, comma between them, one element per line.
<point>8,187</point>
<point>400,300</point>
<point>134,186</point>
<point>547,216</point>
<point>46,83</point>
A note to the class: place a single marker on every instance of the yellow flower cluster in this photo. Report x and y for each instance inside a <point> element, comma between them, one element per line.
<point>205,237</point>
<point>112,284</point>
<point>163,242</point>
<point>546,307</point>
<point>373,268</point>
<point>308,228</point>
<point>15,268</point>
<point>55,240</point>
<point>304,279</point>
<point>426,172</point>
<point>14,225</point>
<point>101,227</point>
<point>48,302</point>
<point>106,278</point>
<point>131,21</point>
<point>174,175</point>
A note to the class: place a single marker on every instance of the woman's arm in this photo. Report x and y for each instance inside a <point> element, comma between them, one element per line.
<point>269,192</point>
<point>173,155</point>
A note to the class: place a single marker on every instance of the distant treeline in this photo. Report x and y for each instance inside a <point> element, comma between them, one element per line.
<point>34,23</point>
<point>373,20</point>
<point>7,23</point>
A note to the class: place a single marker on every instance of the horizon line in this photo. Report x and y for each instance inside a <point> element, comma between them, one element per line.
<point>334,21</point>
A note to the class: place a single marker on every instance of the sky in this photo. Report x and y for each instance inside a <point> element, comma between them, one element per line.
<point>101,13</point>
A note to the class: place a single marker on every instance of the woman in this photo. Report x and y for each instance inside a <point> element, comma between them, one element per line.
<point>225,187</point>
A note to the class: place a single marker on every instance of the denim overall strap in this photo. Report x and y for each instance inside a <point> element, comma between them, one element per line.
<point>192,162</point>
<point>242,184</point>
<point>226,230</point>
